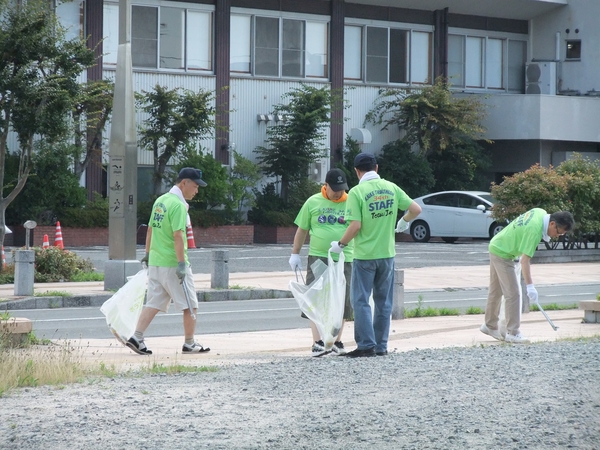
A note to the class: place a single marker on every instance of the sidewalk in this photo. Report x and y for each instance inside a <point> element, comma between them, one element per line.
<point>405,335</point>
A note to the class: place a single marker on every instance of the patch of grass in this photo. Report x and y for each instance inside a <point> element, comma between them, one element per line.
<point>598,297</point>
<point>157,369</point>
<point>107,371</point>
<point>87,276</point>
<point>474,310</point>
<point>237,286</point>
<point>32,339</point>
<point>53,294</point>
<point>448,312</point>
<point>4,315</point>
<point>553,307</point>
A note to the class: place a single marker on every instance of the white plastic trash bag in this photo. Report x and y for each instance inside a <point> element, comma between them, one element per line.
<point>123,309</point>
<point>323,300</point>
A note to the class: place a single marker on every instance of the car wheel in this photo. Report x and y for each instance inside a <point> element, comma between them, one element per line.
<point>495,228</point>
<point>420,231</point>
<point>449,240</point>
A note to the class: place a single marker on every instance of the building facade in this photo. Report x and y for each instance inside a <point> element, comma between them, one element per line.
<point>534,62</point>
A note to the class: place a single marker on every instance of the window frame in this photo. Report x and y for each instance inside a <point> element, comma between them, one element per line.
<point>396,26</point>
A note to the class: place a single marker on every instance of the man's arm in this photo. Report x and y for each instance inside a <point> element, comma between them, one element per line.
<point>148,238</point>
<point>351,231</point>
<point>178,237</point>
<point>299,239</point>
<point>526,269</point>
<point>412,212</point>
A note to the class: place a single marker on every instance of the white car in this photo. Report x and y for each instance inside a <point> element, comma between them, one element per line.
<point>455,214</point>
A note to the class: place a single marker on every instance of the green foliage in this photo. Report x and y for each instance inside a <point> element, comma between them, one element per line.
<point>243,178</point>
<point>460,167</point>
<point>553,307</point>
<point>474,310</point>
<point>51,189</point>
<point>38,83</point>
<point>537,187</point>
<point>93,214</point>
<point>176,121</point>
<point>407,169</point>
<point>293,144</point>
<point>431,116</point>
<point>53,264</point>
<point>270,209</point>
<point>351,149</point>
<point>213,173</point>
<point>583,189</point>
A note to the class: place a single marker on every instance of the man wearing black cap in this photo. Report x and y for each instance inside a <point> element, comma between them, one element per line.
<point>371,210</point>
<point>323,216</point>
<point>169,272</point>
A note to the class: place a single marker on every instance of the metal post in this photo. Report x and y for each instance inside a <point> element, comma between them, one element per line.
<point>24,273</point>
<point>398,307</point>
<point>220,269</point>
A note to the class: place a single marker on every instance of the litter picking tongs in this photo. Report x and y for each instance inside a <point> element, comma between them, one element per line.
<point>296,271</point>
<point>554,327</point>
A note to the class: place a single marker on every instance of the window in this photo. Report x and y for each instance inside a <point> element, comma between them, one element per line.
<point>161,37</point>
<point>276,47</point>
<point>487,62</point>
<point>573,49</point>
<point>390,55</point>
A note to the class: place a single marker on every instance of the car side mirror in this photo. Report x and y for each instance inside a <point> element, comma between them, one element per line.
<point>481,208</point>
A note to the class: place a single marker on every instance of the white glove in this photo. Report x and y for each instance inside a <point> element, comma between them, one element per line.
<point>295,261</point>
<point>532,293</point>
<point>402,225</point>
<point>335,247</point>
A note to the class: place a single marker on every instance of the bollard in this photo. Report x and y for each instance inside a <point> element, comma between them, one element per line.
<point>398,306</point>
<point>24,274</point>
<point>220,269</point>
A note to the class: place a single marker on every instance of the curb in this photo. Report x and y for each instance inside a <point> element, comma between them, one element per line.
<point>211,295</point>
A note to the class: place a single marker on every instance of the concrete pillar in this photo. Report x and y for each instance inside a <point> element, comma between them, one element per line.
<point>24,273</point>
<point>219,278</point>
<point>398,307</point>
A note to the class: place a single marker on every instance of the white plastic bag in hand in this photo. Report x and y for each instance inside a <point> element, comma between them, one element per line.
<point>323,300</point>
<point>123,309</point>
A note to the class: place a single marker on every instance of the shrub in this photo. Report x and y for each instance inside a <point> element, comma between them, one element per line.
<point>53,264</point>
<point>93,214</point>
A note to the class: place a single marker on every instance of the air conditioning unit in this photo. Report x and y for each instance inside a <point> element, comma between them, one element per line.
<point>540,78</point>
<point>315,172</point>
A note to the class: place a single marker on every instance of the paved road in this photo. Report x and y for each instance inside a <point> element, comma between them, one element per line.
<point>273,258</point>
<point>260,315</point>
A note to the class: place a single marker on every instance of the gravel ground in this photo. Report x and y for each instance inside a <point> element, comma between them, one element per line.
<point>541,396</point>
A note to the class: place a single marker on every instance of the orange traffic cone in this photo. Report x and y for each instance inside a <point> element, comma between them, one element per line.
<point>46,244</point>
<point>58,240</point>
<point>3,258</point>
<point>190,237</point>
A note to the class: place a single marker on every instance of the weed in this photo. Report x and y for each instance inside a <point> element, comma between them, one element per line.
<point>237,286</point>
<point>553,307</point>
<point>598,297</point>
<point>474,310</point>
<point>448,312</point>
<point>4,315</point>
<point>107,371</point>
<point>53,294</point>
<point>87,276</point>
<point>175,368</point>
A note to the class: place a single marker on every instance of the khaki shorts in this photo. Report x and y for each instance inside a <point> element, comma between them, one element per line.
<point>163,285</point>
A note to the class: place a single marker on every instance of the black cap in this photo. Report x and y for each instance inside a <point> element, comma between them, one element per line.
<point>364,158</point>
<point>189,173</point>
<point>336,179</point>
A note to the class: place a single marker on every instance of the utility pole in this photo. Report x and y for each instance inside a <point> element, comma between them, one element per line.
<point>122,169</point>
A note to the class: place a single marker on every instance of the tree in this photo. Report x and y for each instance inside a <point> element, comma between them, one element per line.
<point>38,71</point>
<point>176,120</point>
<point>431,116</point>
<point>243,178</point>
<point>297,141</point>
<point>460,167</point>
<point>92,109</point>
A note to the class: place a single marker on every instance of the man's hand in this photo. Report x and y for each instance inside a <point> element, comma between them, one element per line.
<point>181,270</point>
<point>335,247</point>
<point>295,261</point>
<point>402,225</point>
<point>532,293</point>
<point>144,260</point>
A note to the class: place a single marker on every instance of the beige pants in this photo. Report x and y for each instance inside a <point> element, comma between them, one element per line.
<point>503,281</point>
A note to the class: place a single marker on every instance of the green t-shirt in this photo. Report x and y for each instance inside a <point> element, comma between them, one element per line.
<point>325,221</point>
<point>520,237</point>
<point>169,214</point>
<point>375,203</point>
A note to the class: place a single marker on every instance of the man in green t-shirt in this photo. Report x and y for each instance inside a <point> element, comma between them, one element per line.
<point>519,238</point>
<point>372,209</point>
<point>322,215</point>
<point>169,272</point>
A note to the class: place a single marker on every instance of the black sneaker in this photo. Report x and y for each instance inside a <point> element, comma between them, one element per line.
<point>138,346</point>
<point>338,348</point>
<point>194,348</point>
<point>360,353</point>
<point>318,349</point>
